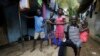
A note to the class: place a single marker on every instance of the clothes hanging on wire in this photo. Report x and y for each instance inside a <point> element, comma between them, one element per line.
<point>52,4</point>
<point>83,16</point>
<point>44,11</point>
<point>40,2</point>
<point>56,7</point>
<point>95,2</point>
<point>24,4</point>
<point>91,11</point>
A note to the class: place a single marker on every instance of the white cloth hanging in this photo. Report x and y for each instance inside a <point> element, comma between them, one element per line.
<point>52,4</point>
<point>24,4</point>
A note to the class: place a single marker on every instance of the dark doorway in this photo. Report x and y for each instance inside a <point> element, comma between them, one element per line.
<point>3,28</point>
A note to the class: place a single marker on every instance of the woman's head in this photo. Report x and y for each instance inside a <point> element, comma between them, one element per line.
<point>85,24</point>
<point>60,11</point>
<point>51,14</point>
<point>38,11</point>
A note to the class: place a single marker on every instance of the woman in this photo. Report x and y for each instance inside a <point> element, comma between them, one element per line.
<point>60,22</point>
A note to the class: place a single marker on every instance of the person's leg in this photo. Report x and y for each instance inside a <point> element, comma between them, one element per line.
<point>49,39</point>
<point>36,35</point>
<point>79,48</point>
<point>75,50</point>
<point>41,44</point>
<point>61,51</point>
<point>42,36</point>
<point>50,43</point>
<point>57,38</point>
<point>78,51</point>
<point>71,44</point>
<point>62,48</point>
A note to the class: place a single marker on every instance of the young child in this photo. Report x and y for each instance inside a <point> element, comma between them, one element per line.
<point>50,28</point>
<point>84,34</point>
<point>39,29</point>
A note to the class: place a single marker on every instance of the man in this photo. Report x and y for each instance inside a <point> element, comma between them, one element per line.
<point>73,38</point>
<point>39,29</point>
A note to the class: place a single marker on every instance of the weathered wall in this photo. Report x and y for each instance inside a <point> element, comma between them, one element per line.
<point>94,24</point>
<point>11,14</point>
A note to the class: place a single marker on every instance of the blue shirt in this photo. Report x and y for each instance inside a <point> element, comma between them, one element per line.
<point>38,24</point>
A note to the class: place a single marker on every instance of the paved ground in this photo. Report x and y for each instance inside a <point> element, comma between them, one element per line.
<point>92,48</point>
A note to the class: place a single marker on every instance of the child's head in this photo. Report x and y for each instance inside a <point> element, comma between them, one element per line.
<point>38,11</point>
<point>60,11</point>
<point>51,14</point>
<point>73,20</point>
<point>84,25</point>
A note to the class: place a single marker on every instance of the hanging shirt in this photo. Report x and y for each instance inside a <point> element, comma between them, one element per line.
<point>52,4</point>
<point>24,4</point>
<point>38,24</point>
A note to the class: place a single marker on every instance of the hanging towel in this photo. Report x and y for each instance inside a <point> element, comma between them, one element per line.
<point>24,4</point>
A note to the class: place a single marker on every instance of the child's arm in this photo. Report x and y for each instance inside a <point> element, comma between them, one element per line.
<point>43,23</point>
<point>29,16</point>
<point>84,29</point>
<point>49,22</point>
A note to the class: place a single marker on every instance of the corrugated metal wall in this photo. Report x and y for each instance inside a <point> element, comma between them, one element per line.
<point>11,14</point>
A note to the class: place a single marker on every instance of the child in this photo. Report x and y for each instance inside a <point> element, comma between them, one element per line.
<point>84,32</point>
<point>50,28</point>
<point>39,29</point>
<point>60,22</point>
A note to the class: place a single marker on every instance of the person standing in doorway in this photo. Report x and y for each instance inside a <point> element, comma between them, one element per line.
<point>39,29</point>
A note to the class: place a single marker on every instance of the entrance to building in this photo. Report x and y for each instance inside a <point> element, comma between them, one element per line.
<point>3,28</point>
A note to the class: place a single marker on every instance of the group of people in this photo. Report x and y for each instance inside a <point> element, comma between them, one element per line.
<point>68,32</point>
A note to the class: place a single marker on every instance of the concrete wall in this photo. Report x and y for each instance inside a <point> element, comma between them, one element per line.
<point>97,24</point>
<point>94,24</point>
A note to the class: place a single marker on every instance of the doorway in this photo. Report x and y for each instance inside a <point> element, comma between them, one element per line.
<point>3,28</point>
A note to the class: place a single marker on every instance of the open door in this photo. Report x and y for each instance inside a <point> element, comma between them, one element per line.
<point>3,28</point>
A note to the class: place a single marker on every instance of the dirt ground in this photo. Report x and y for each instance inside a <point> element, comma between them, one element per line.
<point>91,48</point>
